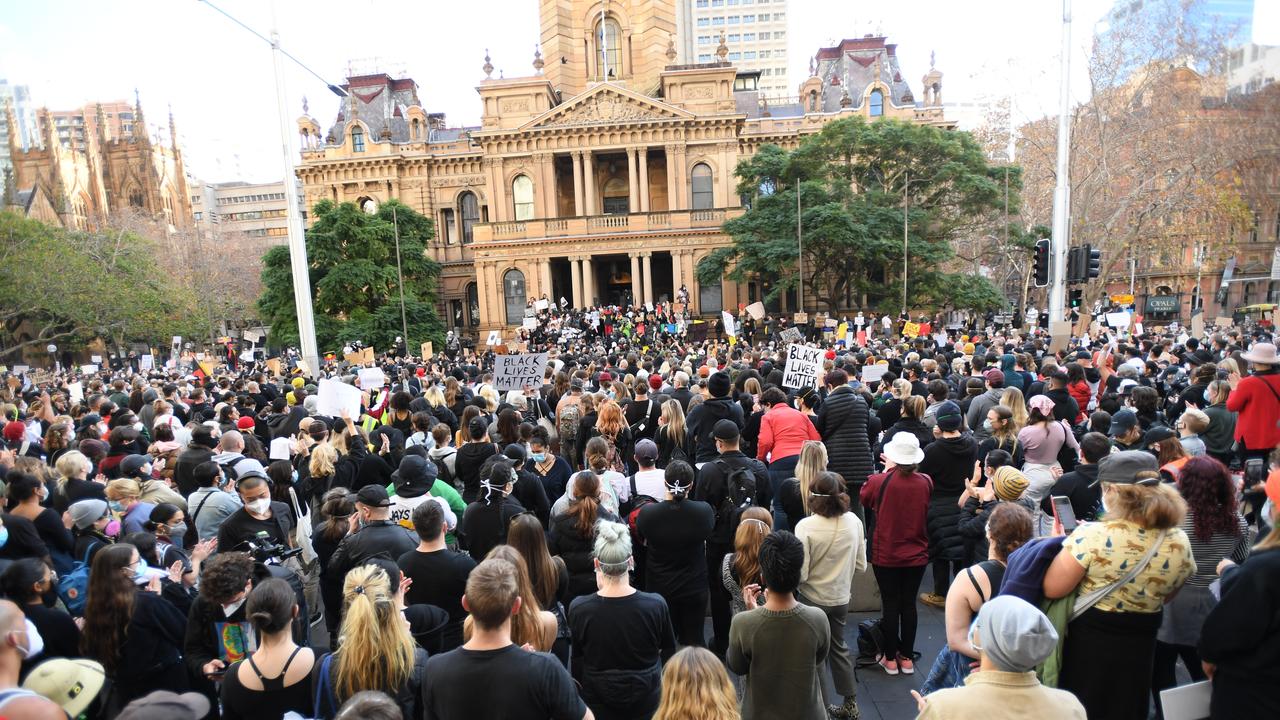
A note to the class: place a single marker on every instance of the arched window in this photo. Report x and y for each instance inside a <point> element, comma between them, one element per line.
<point>876,103</point>
<point>608,50</point>
<point>703,196</point>
<point>473,305</point>
<point>469,211</point>
<point>522,197</point>
<point>417,129</point>
<point>357,139</point>
<point>813,101</point>
<point>513,293</point>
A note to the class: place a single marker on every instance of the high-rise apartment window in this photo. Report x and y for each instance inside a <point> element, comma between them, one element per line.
<point>734,37</point>
<point>765,36</point>
<point>717,21</point>
<point>704,22</point>
<point>749,55</point>
<point>704,58</point>
<point>734,19</point>
<point>748,37</point>
<point>735,56</point>
<point>748,18</point>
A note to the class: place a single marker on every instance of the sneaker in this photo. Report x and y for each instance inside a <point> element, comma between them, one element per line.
<point>847,711</point>
<point>890,666</point>
<point>906,666</point>
<point>934,600</point>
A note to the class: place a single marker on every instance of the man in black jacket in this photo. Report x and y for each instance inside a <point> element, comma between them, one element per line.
<point>199,451</point>
<point>642,414</point>
<point>681,392</point>
<point>713,488</point>
<point>842,423</point>
<point>1080,486</point>
<point>703,418</point>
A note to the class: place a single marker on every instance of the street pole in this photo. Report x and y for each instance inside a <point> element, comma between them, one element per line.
<point>800,245</point>
<point>297,240</point>
<point>906,193</point>
<point>1133,273</point>
<point>404,325</point>
<point>1062,190</point>
<point>1198,304</point>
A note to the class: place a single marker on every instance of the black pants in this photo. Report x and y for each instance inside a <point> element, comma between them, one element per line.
<point>688,614</point>
<point>721,611</point>
<point>1163,674</point>
<point>898,587</point>
<point>1106,663</point>
<point>943,572</point>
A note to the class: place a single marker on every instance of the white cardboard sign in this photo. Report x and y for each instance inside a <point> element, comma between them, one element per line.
<point>803,365</point>
<point>514,372</point>
<point>334,396</point>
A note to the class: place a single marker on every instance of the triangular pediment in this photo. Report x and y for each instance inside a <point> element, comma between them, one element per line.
<point>607,104</point>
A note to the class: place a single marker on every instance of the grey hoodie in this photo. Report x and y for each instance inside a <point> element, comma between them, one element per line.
<point>978,412</point>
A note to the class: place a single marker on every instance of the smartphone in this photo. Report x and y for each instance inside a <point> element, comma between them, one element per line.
<point>1255,471</point>
<point>1063,512</point>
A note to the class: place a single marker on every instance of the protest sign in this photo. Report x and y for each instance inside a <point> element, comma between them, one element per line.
<point>428,350</point>
<point>862,338</point>
<point>1118,319</point>
<point>940,339</point>
<point>274,366</point>
<point>1197,326</point>
<point>529,323</point>
<point>911,329</point>
<point>803,365</point>
<point>697,331</point>
<point>281,447</point>
<point>334,396</point>
<point>88,369</point>
<point>251,336</point>
<point>791,335</point>
<point>830,322</point>
<point>873,373</point>
<point>514,372</point>
<point>800,318</point>
<point>729,328</point>
<point>146,362</point>
<point>495,338</point>
<point>75,391</point>
<point>756,310</point>
<point>96,359</point>
<point>371,378</point>
<point>21,369</point>
<point>541,305</point>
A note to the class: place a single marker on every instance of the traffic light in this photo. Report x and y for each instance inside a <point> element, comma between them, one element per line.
<point>1092,263</point>
<point>1075,265</point>
<point>1075,298</point>
<point>1041,276</point>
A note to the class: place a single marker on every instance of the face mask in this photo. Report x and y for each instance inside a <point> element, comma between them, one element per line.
<point>4,536</point>
<point>140,570</point>
<point>986,425</point>
<point>115,506</point>
<point>35,643</point>
<point>259,506</point>
<point>229,610</point>
<point>176,532</point>
<point>113,528</point>
<point>539,457</point>
<point>1206,397</point>
<point>138,426</point>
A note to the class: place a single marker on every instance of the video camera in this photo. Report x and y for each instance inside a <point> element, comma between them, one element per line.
<point>267,551</point>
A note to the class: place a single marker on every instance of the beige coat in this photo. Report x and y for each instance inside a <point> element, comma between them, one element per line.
<point>995,695</point>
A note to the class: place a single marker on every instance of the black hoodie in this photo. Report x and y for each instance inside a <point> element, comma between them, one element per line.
<point>948,461</point>
<point>703,418</point>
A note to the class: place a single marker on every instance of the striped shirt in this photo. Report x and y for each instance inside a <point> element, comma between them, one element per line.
<point>1219,546</point>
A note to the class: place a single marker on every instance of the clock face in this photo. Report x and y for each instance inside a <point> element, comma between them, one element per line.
<point>370,206</point>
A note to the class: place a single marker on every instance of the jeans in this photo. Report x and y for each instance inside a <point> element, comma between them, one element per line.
<point>898,587</point>
<point>780,471</point>
<point>688,614</point>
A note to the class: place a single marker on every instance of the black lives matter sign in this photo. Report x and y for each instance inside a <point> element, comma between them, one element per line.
<point>515,372</point>
<point>803,365</point>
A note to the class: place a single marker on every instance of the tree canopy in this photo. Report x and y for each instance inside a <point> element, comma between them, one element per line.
<point>852,177</point>
<point>69,287</point>
<point>355,289</point>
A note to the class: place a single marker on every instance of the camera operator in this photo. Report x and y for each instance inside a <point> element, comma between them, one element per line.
<point>260,516</point>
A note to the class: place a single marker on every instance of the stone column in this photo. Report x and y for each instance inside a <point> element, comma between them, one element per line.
<point>644,179</point>
<point>547,288</point>
<point>579,208</point>
<point>682,180</point>
<point>677,274</point>
<point>633,182</point>
<point>588,280</point>
<point>544,186</point>
<point>691,281</point>
<point>483,292</point>
<point>575,266</point>
<point>635,280</point>
<point>647,258</point>
<point>673,189</point>
<point>590,205</point>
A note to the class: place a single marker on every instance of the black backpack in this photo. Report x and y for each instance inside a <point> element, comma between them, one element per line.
<point>740,492</point>
<point>442,472</point>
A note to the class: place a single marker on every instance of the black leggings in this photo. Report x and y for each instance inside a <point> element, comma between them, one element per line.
<point>898,587</point>
<point>1163,669</point>
<point>943,572</point>
<point>688,617</point>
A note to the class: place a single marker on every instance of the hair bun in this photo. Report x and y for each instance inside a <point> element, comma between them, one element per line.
<point>609,531</point>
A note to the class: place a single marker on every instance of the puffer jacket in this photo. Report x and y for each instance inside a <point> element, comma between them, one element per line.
<point>577,551</point>
<point>842,423</point>
<point>703,418</point>
<point>948,461</point>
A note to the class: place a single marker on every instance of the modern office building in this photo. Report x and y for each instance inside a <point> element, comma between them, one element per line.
<point>755,31</point>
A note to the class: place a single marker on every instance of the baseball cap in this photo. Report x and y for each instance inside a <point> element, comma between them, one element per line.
<point>71,683</point>
<point>1122,422</point>
<point>165,705</point>
<point>1130,467</point>
<point>373,496</point>
<point>994,376</point>
<point>646,449</point>
<point>725,430</point>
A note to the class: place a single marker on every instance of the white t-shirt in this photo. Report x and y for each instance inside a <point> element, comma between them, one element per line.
<point>652,483</point>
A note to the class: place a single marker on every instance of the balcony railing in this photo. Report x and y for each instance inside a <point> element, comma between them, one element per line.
<point>594,225</point>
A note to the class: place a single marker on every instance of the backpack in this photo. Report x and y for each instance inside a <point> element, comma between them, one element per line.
<point>634,505</point>
<point>740,492</point>
<point>613,457</point>
<point>73,587</point>
<point>567,422</point>
<point>870,643</point>
<point>442,472</point>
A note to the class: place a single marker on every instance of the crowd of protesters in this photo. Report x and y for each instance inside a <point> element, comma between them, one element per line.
<point>199,541</point>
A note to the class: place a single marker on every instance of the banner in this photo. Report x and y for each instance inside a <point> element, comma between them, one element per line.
<point>1118,319</point>
<point>515,372</point>
<point>911,329</point>
<point>804,363</point>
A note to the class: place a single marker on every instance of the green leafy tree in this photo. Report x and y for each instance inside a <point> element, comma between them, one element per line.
<point>852,178</point>
<point>69,287</point>
<point>355,288</point>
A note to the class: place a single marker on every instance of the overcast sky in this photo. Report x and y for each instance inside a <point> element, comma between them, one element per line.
<point>219,79</point>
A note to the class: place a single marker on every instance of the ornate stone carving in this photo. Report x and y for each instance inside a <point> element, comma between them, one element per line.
<point>457,181</point>
<point>514,105</point>
<point>699,91</point>
<point>606,107</point>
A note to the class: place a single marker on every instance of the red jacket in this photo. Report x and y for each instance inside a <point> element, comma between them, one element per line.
<point>901,536</point>
<point>783,431</point>
<point>1256,400</point>
<point>1080,392</point>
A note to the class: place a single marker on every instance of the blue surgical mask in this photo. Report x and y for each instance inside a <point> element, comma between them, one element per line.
<point>986,424</point>
<point>1206,398</point>
<point>539,457</point>
<point>116,506</point>
<point>140,570</point>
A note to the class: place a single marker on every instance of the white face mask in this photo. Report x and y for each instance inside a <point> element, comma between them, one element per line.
<point>259,507</point>
<point>229,610</point>
<point>35,643</point>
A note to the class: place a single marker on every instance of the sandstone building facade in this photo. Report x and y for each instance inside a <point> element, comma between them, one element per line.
<point>602,177</point>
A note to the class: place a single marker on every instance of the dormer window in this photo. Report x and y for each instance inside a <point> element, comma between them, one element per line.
<point>876,103</point>
<point>357,139</point>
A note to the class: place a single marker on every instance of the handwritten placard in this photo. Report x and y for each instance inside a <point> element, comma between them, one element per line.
<point>803,365</point>
<point>514,372</point>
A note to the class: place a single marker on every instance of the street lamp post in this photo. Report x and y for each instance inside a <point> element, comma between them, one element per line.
<point>404,325</point>
<point>297,239</point>
<point>800,245</point>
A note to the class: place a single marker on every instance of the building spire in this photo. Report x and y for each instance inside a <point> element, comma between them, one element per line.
<point>139,121</point>
<point>538,63</point>
<point>11,121</point>
<point>722,51</point>
<point>173,130</point>
<point>488,65</point>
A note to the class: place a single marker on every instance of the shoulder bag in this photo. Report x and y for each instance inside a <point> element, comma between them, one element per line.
<point>1088,600</point>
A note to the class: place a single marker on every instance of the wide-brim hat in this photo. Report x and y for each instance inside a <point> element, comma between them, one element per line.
<point>1263,354</point>
<point>904,449</point>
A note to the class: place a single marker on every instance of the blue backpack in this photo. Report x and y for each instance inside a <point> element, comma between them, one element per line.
<point>73,587</point>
